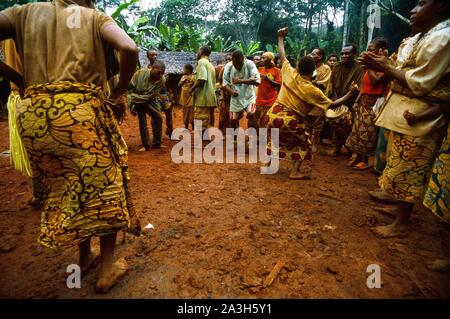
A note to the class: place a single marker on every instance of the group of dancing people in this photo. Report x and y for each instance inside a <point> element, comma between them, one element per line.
<point>68,114</point>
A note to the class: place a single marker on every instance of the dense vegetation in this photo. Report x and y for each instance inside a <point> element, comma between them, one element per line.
<point>250,25</point>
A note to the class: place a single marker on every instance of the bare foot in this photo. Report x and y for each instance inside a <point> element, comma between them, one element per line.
<point>298,176</point>
<point>108,280</point>
<point>439,265</point>
<point>389,231</point>
<point>92,261</point>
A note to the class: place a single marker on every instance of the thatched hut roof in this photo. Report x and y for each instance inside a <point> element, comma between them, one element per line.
<point>175,61</point>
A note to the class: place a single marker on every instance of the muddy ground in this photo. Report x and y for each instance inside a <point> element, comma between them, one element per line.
<point>221,228</point>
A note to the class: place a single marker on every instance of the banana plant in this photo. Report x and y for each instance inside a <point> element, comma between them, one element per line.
<point>143,34</point>
<point>117,14</point>
<point>272,48</point>
<point>170,37</point>
<point>293,46</point>
<point>251,48</point>
<point>218,44</point>
<point>192,39</point>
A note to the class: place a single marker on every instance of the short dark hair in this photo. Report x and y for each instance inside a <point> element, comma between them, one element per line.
<point>306,65</point>
<point>159,64</point>
<point>237,54</point>
<point>446,13</point>
<point>189,67</point>
<point>380,43</point>
<point>333,55</point>
<point>321,52</point>
<point>152,50</point>
<point>206,50</point>
<point>354,47</point>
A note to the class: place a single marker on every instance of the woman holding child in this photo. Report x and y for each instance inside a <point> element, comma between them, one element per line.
<point>414,110</point>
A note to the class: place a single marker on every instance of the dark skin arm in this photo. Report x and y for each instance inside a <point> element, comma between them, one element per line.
<point>350,94</point>
<point>343,100</point>
<point>7,32</point>
<point>274,83</point>
<point>231,91</point>
<point>431,113</point>
<point>380,63</point>
<point>12,75</point>
<point>6,29</point>
<point>181,83</point>
<point>376,77</point>
<point>128,50</point>
<point>248,81</point>
<point>281,35</point>
<point>196,85</point>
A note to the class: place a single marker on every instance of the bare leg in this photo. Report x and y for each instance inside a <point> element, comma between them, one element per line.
<point>110,273</point>
<point>88,259</point>
<point>295,172</point>
<point>389,211</point>
<point>398,227</point>
<point>315,139</point>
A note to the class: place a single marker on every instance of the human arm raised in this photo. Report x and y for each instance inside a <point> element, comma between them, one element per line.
<point>282,33</point>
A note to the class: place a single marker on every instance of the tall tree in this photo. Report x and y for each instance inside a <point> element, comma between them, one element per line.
<point>346,22</point>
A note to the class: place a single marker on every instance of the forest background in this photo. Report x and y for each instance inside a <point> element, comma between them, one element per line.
<point>251,25</point>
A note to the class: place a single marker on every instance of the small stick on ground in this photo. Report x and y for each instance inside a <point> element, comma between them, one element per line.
<point>274,273</point>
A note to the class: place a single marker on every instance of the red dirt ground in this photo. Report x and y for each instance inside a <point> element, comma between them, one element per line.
<point>221,228</point>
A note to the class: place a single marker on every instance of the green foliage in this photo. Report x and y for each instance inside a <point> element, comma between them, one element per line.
<point>9,3</point>
<point>218,44</point>
<point>123,7</point>
<point>252,48</point>
<point>271,48</point>
<point>250,25</point>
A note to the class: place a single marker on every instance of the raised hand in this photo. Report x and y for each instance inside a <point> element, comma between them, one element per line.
<point>373,61</point>
<point>283,32</point>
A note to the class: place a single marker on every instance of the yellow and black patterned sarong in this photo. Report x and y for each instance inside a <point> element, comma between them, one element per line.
<point>79,160</point>
<point>409,164</point>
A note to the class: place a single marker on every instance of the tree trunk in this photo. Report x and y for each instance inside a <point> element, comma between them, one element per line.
<point>310,16</point>
<point>346,12</point>
<point>319,31</point>
<point>362,23</point>
<point>307,26</point>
